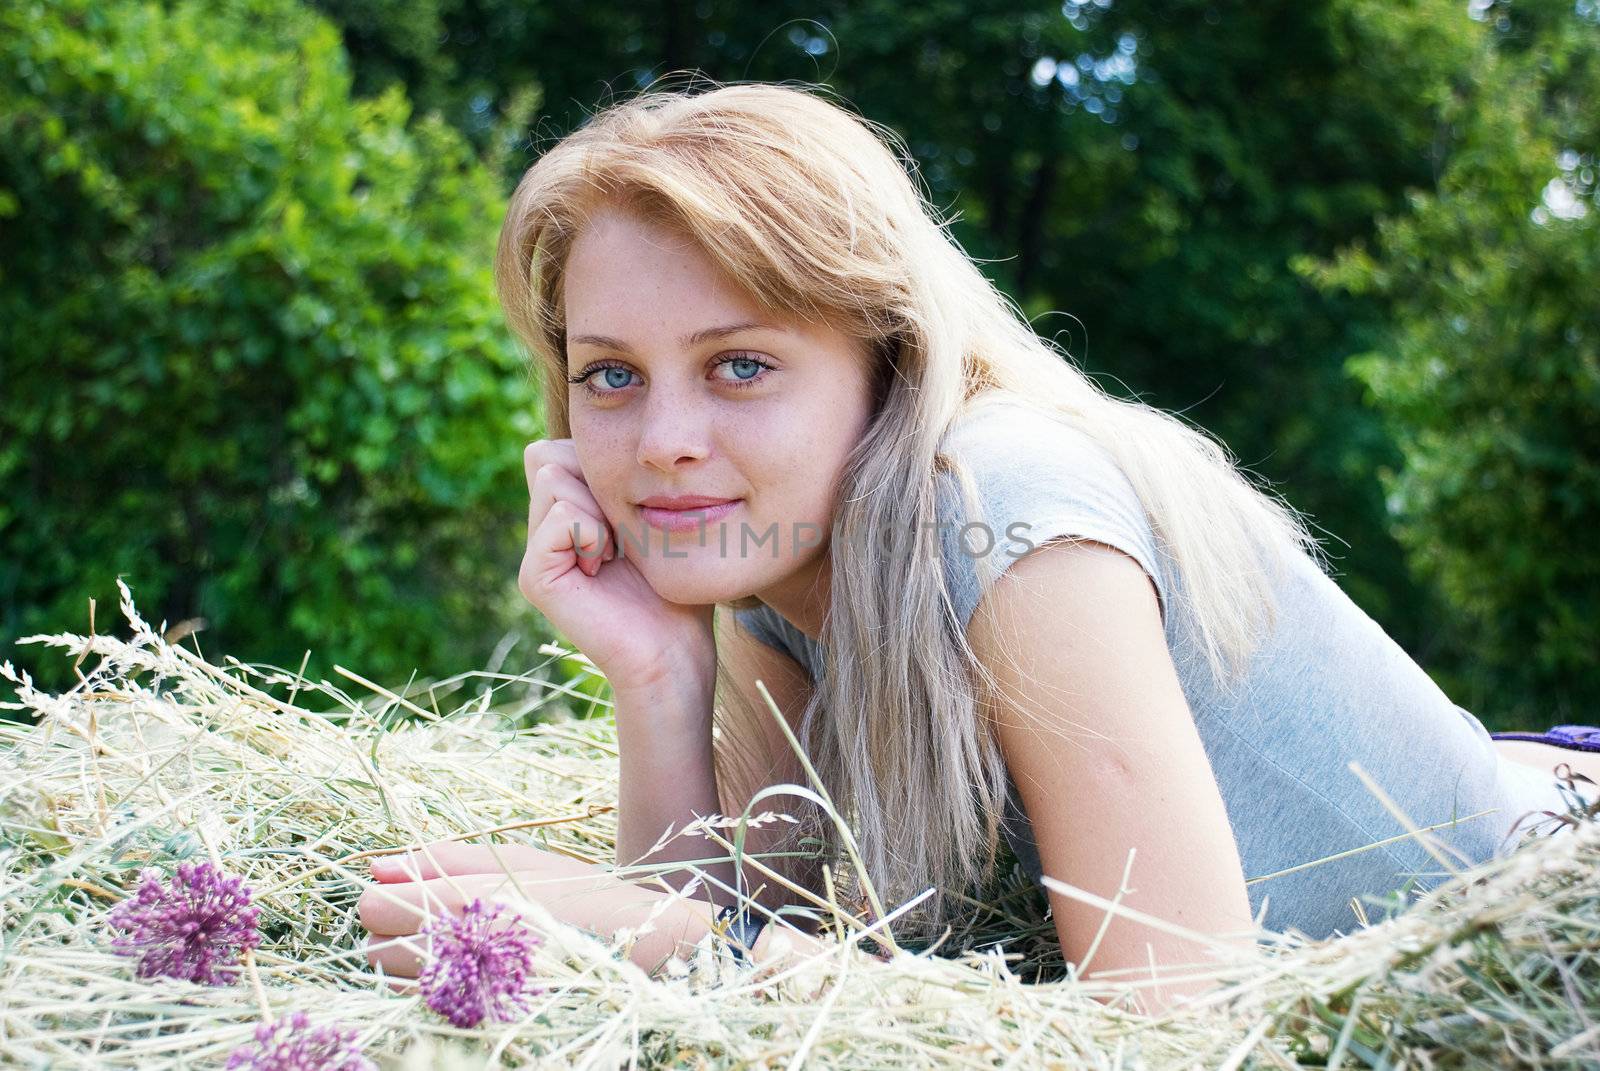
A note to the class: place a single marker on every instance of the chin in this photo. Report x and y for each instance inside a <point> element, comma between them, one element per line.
<point>701,578</point>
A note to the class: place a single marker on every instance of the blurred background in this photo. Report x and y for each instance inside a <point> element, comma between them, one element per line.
<point>251,361</point>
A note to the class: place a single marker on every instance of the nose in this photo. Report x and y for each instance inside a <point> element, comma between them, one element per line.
<point>675,429</point>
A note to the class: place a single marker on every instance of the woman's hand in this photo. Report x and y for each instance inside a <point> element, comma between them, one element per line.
<point>451,857</point>
<point>592,595</point>
<point>395,913</point>
<point>445,876</point>
<point>411,889</point>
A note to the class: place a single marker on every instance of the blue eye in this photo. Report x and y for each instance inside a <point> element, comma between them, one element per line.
<point>746,373</point>
<point>615,377</point>
<point>745,368</point>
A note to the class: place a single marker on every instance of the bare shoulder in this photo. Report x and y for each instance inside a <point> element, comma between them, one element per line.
<point>1081,563</point>
<point>1078,600</point>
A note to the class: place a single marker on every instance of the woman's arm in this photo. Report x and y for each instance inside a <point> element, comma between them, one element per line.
<point>665,772</point>
<point>581,894</point>
<point>668,772</point>
<point>1100,741</point>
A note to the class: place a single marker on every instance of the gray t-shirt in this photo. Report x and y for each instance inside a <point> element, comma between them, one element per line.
<point>1326,688</point>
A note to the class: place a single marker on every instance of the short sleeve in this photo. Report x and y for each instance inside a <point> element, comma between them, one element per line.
<point>1038,478</point>
<point>769,626</point>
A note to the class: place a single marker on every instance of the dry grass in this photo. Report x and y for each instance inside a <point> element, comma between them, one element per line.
<point>158,755</point>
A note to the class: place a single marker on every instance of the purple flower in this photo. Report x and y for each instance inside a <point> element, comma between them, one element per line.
<point>287,1045</point>
<point>478,970</point>
<point>194,928</point>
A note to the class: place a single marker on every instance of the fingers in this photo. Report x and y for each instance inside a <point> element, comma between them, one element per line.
<point>552,481</point>
<point>395,912</point>
<point>552,484</point>
<point>541,452</point>
<point>402,907</point>
<point>403,957</point>
<point>567,535</point>
<point>565,521</point>
<point>410,866</point>
<point>451,857</point>
<point>552,470</point>
<point>429,861</point>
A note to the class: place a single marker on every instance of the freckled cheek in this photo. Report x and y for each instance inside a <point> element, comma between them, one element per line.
<point>787,458</point>
<point>605,456</point>
<point>789,492</point>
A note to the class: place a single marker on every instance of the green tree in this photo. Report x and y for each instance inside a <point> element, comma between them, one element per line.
<point>1489,375</point>
<point>1139,174</point>
<point>251,357</point>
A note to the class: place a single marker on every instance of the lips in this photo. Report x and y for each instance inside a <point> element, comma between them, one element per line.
<point>686,513</point>
<point>684,501</point>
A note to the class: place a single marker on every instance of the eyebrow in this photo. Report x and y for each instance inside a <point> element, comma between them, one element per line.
<point>687,341</point>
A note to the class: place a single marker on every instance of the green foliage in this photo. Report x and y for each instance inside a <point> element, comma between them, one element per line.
<point>220,256</point>
<point>1149,204</point>
<point>1489,374</point>
<point>1143,204</point>
<point>252,359</point>
<point>1267,133</point>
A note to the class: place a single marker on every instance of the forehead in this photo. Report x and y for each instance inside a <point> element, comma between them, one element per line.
<point>625,271</point>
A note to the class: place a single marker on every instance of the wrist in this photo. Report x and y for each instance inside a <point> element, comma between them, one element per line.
<point>686,674</point>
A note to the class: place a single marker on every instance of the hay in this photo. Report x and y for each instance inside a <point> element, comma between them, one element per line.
<point>158,755</point>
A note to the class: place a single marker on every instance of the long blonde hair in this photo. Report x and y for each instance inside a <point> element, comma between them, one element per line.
<point>809,206</point>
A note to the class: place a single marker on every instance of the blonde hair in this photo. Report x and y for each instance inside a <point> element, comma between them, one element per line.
<point>808,206</point>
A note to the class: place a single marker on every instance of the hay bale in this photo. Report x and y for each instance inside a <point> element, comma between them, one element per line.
<point>158,755</point>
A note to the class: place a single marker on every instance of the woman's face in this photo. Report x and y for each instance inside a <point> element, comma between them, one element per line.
<point>763,416</point>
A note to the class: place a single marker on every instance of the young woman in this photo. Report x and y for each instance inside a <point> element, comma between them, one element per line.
<point>798,438</point>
